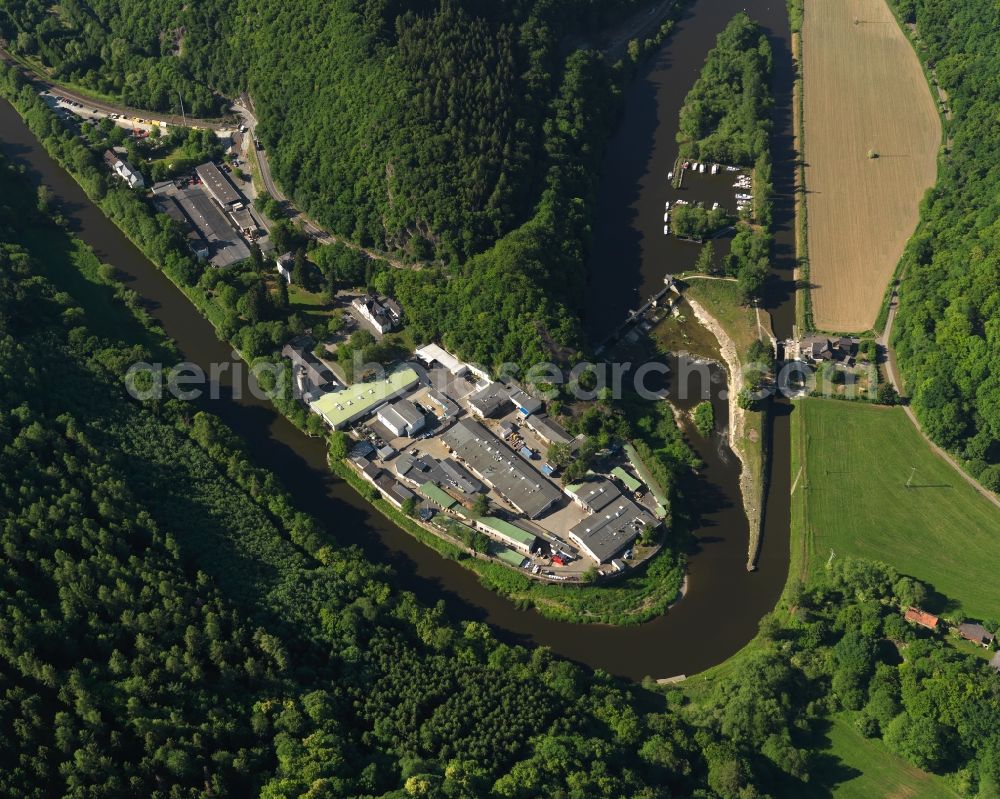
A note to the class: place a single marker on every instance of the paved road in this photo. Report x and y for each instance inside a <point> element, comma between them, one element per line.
<point>244,109</point>
<point>892,371</point>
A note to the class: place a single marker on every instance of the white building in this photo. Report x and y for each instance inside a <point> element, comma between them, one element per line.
<point>124,170</point>
<point>432,353</point>
<point>381,313</point>
<point>403,418</point>
<point>284,265</point>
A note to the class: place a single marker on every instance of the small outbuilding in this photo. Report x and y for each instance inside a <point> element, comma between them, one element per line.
<point>920,618</point>
<point>975,633</point>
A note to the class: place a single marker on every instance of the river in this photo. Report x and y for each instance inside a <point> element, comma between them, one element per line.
<point>724,603</point>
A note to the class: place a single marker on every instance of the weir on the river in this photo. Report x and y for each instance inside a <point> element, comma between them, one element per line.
<point>723,603</point>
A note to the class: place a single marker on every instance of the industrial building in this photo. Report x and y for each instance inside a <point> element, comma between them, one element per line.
<point>606,533</point>
<point>510,534</point>
<point>459,477</point>
<point>524,402</point>
<point>403,418</point>
<point>223,240</point>
<point>546,427</point>
<point>594,494</point>
<point>341,408</point>
<point>167,204</point>
<point>494,400</point>
<point>494,463</point>
<point>218,186</point>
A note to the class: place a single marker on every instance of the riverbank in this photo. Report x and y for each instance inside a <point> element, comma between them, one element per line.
<point>635,597</point>
<point>721,596</point>
<point>716,307</point>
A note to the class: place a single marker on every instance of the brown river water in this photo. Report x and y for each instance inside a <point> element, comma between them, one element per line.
<point>724,602</point>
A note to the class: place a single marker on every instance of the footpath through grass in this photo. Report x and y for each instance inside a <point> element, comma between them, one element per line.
<point>852,496</point>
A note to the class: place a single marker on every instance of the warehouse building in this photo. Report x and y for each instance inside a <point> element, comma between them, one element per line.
<point>548,429</point>
<point>606,533</point>
<point>494,400</point>
<point>494,463</point>
<point>509,534</point>
<point>524,402</point>
<point>218,186</point>
<point>226,245</point>
<point>403,418</point>
<point>341,408</point>
<point>594,494</point>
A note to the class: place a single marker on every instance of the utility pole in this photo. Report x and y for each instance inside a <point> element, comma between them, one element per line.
<point>183,115</point>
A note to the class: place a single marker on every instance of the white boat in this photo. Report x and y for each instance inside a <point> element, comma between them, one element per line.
<point>715,169</point>
<point>694,166</point>
<point>666,217</point>
<point>666,230</point>
<point>670,175</point>
<point>701,168</point>
<point>666,205</point>
<point>715,206</point>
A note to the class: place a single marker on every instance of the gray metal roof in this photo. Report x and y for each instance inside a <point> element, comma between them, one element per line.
<point>610,530</point>
<point>548,429</point>
<point>597,492</point>
<point>217,184</point>
<point>490,399</point>
<point>494,463</point>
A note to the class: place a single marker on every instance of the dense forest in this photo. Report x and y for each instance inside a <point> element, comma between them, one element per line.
<point>947,331</point>
<point>173,627</point>
<point>726,117</point>
<point>148,55</point>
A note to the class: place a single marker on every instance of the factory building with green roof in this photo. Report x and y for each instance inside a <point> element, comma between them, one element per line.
<point>340,408</point>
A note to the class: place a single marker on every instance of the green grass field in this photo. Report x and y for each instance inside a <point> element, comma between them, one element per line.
<point>851,463</point>
<point>861,769</point>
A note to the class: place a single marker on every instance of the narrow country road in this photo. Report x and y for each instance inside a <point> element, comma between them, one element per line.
<point>891,370</point>
<point>244,108</point>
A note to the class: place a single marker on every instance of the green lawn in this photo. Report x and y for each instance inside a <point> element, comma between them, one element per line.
<point>861,769</point>
<point>852,496</point>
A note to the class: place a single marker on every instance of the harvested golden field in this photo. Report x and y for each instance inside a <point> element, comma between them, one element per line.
<point>863,91</point>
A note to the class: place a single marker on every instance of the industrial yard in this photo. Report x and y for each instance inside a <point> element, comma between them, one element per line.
<point>467,456</point>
